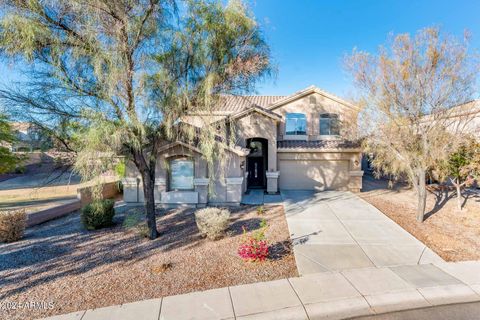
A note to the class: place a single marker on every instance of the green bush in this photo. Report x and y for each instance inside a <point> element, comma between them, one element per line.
<point>98,214</point>
<point>120,169</point>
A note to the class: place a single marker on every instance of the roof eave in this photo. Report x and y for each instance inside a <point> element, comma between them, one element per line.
<point>310,90</point>
<point>255,108</point>
<point>319,150</point>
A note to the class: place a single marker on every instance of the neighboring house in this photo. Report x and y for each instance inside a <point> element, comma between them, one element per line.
<point>295,142</point>
<point>466,117</point>
<point>28,136</point>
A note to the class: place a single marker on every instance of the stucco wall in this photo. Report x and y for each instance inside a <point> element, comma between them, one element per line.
<point>224,185</point>
<point>257,125</point>
<point>225,190</point>
<point>312,106</point>
<point>200,166</point>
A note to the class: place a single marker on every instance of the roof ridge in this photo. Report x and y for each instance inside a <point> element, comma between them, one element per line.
<point>253,95</point>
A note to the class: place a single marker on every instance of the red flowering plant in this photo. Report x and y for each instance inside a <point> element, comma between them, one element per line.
<point>255,246</point>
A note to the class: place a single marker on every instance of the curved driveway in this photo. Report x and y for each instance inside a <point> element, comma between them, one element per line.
<point>337,230</point>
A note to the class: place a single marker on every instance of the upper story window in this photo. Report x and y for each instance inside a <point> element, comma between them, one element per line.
<point>329,124</point>
<point>295,124</point>
<point>181,174</point>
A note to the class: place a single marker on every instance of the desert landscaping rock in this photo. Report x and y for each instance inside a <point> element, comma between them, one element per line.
<point>61,262</point>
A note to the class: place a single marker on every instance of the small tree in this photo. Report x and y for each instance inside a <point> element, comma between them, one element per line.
<point>408,90</point>
<point>8,160</point>
<point>130,71</point>
<point>462,167</point>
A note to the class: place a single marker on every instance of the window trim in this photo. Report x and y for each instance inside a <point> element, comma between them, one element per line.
<point>184,158</point>
<point>330,117</point>
<point>296,134</point>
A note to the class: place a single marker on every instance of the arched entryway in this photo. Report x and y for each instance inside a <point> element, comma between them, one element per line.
<point>257,163</point>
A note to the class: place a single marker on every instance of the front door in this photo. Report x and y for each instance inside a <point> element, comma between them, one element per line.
<point>256,172</point>
<point>257,162</point>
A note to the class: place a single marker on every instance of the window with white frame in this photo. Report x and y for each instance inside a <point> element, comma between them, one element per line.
<point>181,174</point>
<point>295,124</point>
<point>329,124</point>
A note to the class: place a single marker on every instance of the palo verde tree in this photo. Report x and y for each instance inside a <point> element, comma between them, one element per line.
<point>408,89</point>
<point>129,71</point>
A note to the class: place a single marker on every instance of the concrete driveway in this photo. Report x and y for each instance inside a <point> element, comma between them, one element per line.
<point>336,230</point>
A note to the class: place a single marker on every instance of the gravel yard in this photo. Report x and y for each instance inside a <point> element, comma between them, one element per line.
<point>452,234</point>
<point>64,268</point>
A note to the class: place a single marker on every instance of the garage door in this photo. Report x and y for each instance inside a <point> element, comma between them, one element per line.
<point>313,174</point>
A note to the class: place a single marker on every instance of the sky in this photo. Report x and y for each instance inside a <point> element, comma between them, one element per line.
<point>309,38</point>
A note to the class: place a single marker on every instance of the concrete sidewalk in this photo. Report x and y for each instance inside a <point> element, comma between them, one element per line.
<point>337,230</point>
<point>327,295</point>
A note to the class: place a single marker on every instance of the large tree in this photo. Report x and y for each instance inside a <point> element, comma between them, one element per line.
<point>408,89</point>
<point>129,71</point>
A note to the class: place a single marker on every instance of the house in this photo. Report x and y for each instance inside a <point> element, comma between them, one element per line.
<point>465,118</point>
<point>29,137</point>
<point>295,142</point>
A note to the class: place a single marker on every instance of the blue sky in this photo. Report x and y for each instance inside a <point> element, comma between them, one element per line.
<point>310,37</point>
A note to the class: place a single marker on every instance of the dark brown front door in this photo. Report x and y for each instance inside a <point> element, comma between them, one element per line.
<point>256,172</point>
<point>257,162</point>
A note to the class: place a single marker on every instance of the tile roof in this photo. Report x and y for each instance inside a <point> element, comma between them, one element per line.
<point>231,103</point>
<point>320,144</point>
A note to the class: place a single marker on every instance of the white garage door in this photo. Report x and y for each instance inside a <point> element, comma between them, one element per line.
<point>313,174</point>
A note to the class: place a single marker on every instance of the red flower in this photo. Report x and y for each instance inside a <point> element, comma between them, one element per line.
<point>253,250</point>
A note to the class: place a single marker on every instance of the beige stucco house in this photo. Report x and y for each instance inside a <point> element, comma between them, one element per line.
<point>297,142</point>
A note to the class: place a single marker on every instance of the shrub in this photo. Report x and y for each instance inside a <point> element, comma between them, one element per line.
<point>212,222</point>
<point>253,250</point>
<point>98,214</point>
<point>12,225</point>
<point>255,246</point>
<point>261,210</point>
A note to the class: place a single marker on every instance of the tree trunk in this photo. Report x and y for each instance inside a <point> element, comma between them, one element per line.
<point>422,195</point>
<point>148,181</point>
<point>148,192</point>
<point>459,194</point>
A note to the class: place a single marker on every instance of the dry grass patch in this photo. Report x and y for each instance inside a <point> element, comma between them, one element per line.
<point>60,262</point>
